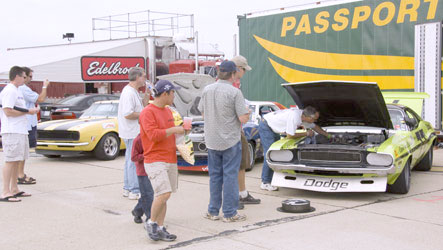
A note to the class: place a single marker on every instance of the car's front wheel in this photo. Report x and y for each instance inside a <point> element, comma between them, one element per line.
<point>426,163</point>
<point>108,147</point>
<point>251,148</point>
<point>403,182</point>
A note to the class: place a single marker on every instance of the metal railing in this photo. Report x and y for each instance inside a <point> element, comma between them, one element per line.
<point>141,24</point>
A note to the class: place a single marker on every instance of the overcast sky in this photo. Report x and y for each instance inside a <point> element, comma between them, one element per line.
<point>35,22</point>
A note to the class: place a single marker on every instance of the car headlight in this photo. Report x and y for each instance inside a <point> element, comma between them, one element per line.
<point>379,159</point>
<point>281,155</point>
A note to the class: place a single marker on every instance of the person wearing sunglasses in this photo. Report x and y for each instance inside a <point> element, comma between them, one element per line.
<point>31,99</point>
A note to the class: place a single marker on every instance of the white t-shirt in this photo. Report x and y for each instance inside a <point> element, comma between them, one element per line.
<point>130,102</point>
<point>31,98</point>
<point>284,121</point>
<point>10,97</point>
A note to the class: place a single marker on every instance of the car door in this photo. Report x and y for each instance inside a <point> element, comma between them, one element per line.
<point>416,134</point>
<point>422,130</point>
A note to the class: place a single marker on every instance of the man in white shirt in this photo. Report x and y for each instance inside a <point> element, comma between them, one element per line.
<point>285,121</point>
<point>14,133</point>
<point>31,98</point>
<point>129,108</point>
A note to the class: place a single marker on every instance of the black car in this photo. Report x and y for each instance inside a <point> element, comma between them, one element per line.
<point>72,106</point>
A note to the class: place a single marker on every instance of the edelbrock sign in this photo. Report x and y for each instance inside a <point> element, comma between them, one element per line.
<point>100,68</point>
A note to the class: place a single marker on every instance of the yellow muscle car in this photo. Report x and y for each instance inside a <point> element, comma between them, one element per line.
<point>96,131</point>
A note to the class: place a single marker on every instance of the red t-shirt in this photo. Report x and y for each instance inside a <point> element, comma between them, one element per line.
<point>153,124</point>
<point>137,156</point>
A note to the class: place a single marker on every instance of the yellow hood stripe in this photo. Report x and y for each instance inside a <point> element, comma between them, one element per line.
<point>384,82</point>
<point>323,60</point>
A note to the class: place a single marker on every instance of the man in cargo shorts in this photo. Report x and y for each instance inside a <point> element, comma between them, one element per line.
<point>14,134</point>
<point>157,131</point>
<point>245,196</point>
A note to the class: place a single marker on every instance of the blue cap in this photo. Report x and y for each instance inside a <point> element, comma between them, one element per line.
<point>228,66</point>
<point>163,86</point>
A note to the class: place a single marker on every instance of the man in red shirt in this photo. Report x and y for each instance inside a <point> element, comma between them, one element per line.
<point>157,130</point>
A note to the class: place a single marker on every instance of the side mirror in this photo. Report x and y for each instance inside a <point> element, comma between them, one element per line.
<point>411,122</point>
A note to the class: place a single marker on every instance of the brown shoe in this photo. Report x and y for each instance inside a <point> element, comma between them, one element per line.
<point>26,180</point>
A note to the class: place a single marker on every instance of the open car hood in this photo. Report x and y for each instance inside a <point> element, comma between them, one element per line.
<point>188,97</point>
<point>342,102</point>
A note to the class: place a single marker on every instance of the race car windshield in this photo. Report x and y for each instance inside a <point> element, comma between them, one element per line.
<point>101,109</point>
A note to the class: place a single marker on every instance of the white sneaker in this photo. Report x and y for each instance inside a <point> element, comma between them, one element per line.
<point>211,217</point>
<point>133,196</point>
<point>268,186</point>
<point>125,193</point>
<point>235,218</point>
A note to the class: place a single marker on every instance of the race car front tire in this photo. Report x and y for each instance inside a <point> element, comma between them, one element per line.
<point>108,147</point>
<point>403,182</point>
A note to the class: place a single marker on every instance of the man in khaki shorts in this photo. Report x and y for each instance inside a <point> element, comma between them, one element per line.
<point>245,196</point>
<point>14,133</point>
<point>157,131</point>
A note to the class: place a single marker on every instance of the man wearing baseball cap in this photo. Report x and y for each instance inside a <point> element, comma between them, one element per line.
<point>223,109</point>
<point>157,131</point>
<point>245,196</point>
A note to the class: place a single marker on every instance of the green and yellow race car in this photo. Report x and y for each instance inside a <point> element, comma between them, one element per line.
<point>373,146</point>
<point>96,131</point>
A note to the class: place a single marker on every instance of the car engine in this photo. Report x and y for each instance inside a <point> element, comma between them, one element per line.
<point>351,139</point>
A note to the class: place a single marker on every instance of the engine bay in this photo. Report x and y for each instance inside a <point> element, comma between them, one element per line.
<point>350,139</point>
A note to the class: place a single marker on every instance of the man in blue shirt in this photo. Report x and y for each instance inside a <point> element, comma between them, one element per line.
<point>31,98</point>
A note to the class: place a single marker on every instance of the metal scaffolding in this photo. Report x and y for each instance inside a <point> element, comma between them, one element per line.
<point>141,24</point>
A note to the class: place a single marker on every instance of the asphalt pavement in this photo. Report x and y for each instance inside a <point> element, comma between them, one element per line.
<point>77,204</point>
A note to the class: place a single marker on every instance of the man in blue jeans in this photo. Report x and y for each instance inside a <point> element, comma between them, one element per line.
<point>224,110</point>
<point>129,108</point>
<point>285,121</point>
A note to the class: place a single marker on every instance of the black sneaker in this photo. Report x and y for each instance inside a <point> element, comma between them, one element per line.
<point>137,219</point>
<point>153,231</point>
<point>165,235</point>
<point>240,206</point>
<point>249,200</point>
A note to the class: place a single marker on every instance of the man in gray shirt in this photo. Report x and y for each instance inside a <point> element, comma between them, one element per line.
<point>223,108</point>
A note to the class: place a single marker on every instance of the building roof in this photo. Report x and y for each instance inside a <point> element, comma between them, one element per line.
<point>57,62</point>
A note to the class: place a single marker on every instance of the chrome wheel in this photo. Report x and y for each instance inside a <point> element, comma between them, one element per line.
<point>110,146</point>
<point>251,149</point>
